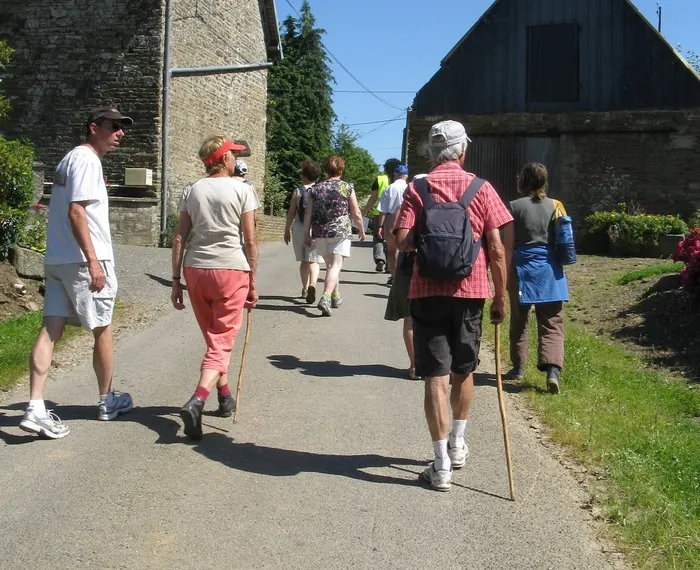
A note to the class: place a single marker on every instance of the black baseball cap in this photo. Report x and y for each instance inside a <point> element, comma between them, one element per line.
<point>107,112</point>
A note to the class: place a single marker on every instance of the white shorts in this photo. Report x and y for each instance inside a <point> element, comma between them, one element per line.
<point>68,295</point>
<point>302,252</point>
<point>333,246</point>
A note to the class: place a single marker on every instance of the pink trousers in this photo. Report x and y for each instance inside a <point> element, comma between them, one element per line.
<point>217,297</point>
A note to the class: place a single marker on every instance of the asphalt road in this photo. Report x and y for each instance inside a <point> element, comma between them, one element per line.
<point>320,472</point>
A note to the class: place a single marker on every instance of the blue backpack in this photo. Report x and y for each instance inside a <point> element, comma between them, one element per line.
<point>446,248</point>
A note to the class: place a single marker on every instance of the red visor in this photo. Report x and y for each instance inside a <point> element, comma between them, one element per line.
<point>221,151</point>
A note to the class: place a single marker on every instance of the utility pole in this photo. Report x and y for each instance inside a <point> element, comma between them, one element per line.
<point>658,11</point>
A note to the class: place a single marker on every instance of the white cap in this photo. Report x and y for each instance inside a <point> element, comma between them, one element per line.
<point>447,133</point>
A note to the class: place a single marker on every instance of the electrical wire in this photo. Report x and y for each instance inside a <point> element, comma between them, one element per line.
<point>367,89</point>
<point>384,124</point>
<point>371,122</point>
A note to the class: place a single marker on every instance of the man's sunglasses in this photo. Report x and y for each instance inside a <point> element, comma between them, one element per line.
<point>116,126</point>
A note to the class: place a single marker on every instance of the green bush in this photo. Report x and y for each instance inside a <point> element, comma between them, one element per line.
<point>33,236</point>
<point>694,221</point>
<point>11,224</point>
<point>16,174</point>
<point>16,191</point>
<point>619,233</point>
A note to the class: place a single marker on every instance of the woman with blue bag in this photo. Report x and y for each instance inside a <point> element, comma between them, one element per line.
<point>541,242</point>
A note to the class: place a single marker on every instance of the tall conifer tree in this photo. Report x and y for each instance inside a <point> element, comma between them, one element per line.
<point>300,113</point>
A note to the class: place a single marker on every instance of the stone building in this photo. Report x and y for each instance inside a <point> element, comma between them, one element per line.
<point>587,87</point>
<point>71,55</point>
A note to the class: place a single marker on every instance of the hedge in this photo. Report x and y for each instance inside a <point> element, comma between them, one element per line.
<point>618,233</point>
<point>16,190</point>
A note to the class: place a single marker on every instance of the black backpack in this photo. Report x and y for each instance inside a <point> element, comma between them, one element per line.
<point>300,208</point>
<point>446,247</point>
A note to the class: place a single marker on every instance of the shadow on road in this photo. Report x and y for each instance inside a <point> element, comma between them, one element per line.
<point>376,296</point>
<point>163,420</point>
<point>510,386</point>
<point>263,460</point>
<point>361,272</point>
<point>163,281</point>
<point>333,368</point>
<point>293,305</point>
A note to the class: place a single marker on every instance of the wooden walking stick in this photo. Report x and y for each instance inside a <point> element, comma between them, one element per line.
<point>240,373</point>
<point>501,405</point>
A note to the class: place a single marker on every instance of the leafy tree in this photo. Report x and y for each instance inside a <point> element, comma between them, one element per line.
<point>693,58</point>
<point>300,113</point>
<point>275,193</point>
<point>5,54</point>
<point>360,168</point>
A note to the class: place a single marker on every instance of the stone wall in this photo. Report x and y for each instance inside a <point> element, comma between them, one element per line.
<point>651,158</point>
<point>214,33</point>
<point>71,55</point>
<point>134,221</point>
<point>270,228</point>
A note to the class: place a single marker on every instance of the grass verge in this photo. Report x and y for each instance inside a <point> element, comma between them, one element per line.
<point>651,271</point>
<point>640,433</point>
<point>17,337</point>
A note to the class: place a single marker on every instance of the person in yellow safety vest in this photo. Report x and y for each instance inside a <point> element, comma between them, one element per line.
<point>370,210</point>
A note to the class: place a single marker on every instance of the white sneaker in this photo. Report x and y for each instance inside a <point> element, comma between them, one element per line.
<point>115,404</point>
<point>49,426</point>
<point>458,456</point>
<point>439,480</point>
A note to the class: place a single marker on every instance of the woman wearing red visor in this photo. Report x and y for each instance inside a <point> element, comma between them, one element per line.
<point>219,266</point>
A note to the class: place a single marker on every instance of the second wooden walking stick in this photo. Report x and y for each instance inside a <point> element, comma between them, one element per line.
<point>240,373</point>
<point>501,405</point>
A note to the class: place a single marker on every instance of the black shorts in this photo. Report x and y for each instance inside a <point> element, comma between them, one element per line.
<point>446,335</point>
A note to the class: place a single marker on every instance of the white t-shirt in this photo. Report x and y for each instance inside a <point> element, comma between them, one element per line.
<point>78,178</point>
<point>393,197</point>
<point>215,206</point>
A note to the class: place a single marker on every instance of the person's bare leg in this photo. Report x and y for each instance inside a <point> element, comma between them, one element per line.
<point>103,358</point>
<point>334,264</point>
<point>42,353</point>
<point>304,274</point>
<point>313,273</point>
<point>222,381</point>
<point>461,395</point>
<point>408,340</point>
<point>208,378</point>
<point>437,414</point>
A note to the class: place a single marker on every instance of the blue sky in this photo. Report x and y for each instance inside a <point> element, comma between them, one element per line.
<point>397,45</point>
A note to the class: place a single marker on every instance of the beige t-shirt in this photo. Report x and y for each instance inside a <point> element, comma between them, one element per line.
<point>215,206</point>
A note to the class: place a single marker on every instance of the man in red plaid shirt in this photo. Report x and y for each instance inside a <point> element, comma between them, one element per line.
<point>447,315</point>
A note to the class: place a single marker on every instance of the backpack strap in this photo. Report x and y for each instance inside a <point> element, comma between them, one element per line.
<point>471,192</point>
<point>421,186</point>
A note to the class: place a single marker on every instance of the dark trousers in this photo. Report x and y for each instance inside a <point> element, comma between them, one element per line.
<point>378,245</point>
<point>550,333</point>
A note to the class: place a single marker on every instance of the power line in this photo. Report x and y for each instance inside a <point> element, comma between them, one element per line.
<point>348,71</point>
<point>384,124</point>
<point>360,91</point>
<point>370,122</point>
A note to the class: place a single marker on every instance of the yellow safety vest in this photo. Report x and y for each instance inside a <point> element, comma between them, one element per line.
<point>382,184</point>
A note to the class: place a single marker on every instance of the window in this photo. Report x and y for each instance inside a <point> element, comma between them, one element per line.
<point>553,64</point>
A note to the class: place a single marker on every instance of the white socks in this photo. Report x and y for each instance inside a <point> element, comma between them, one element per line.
<point>442,460</point>
<point>456,439</point>
<point>38,407</point>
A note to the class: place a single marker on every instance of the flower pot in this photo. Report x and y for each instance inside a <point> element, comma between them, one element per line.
<point>666,246</point>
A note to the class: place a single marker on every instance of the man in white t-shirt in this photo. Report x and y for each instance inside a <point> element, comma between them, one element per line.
<point>389,204</point>
<point>81,285</point>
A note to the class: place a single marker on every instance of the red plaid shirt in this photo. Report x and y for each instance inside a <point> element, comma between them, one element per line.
<point>447,182</point>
